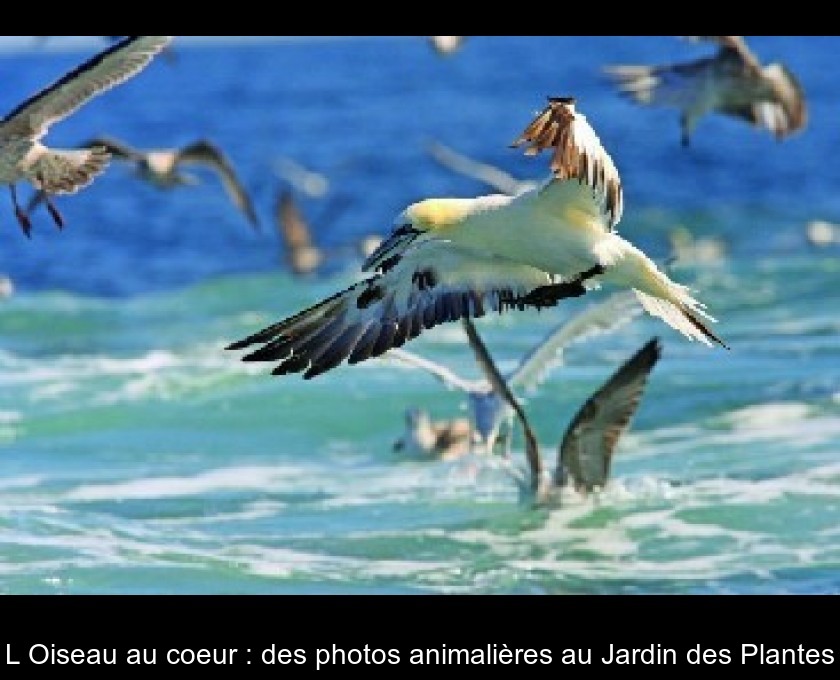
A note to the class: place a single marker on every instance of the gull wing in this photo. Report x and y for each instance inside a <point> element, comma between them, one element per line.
<point>494,177</point>
<point>602,317</point>
<point>784,112</point>
<point>107,69</point>
<point>116,148</point>
<point>584,179</point>
<point>500,386</point>
<point>205,153</point>
<point>442,373</point>
<point>309,182</point>
<point>585,453</point>
<point>432,282</point>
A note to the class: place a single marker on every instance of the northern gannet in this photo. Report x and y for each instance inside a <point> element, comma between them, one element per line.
<point>58,171</point>
<point>453,258</point>
<point>732,82</point>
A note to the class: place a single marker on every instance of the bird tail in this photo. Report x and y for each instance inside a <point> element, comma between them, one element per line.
<point>636,82</point>
<point>67,171</point>
<point>685,315</point>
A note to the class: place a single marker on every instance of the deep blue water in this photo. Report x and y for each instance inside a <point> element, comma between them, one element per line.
<point>140,457</point>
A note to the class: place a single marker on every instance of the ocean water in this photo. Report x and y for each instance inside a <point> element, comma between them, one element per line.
<point>138,456</point>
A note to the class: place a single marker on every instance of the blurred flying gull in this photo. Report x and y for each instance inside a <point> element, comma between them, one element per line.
<point>163,168</point>
<point>585,453</point>
<point>446,45</point>
<point>57,171</point>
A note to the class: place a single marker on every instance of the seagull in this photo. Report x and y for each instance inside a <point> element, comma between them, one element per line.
<point>445,45</point>
<point>56,171</point>
<point>162,167</point>
<point>425,438</point>
<point>495,178</point>
<point>732,82</point>
<point>489,410</point>
<point>303,256</point>
<point>7,287</point>
<point>586,450</point>
<point>451,258</point>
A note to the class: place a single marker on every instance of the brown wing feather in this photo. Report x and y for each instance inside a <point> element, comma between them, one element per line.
<point>578,153</point>
<point>205,153</point>
<point>586,451</point>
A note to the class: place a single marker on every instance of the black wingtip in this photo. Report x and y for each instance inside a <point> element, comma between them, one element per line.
<point>239,344</point>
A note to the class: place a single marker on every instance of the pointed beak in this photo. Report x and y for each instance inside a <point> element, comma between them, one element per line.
<point>389,248</point>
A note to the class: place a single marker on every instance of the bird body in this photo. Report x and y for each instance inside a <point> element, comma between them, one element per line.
<point>453,258</point>
<point>54,171</point>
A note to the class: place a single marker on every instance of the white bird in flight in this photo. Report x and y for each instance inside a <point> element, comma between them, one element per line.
<point>585,454</point>
<point>732,82</point>
<point>489,409</point>
<point>57,171</point>
<point>451,258</point>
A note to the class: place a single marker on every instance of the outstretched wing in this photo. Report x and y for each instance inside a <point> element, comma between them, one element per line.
<point>432,283</point>
<point>205,153</point>
<point>495,178</point>
<point>601,317</point>
<point>585,454</point>
<point>583,178</point>
<point>104,71</point>
<point>500,386</point>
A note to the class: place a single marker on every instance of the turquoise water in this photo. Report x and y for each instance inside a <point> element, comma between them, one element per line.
<point>140,457</point>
